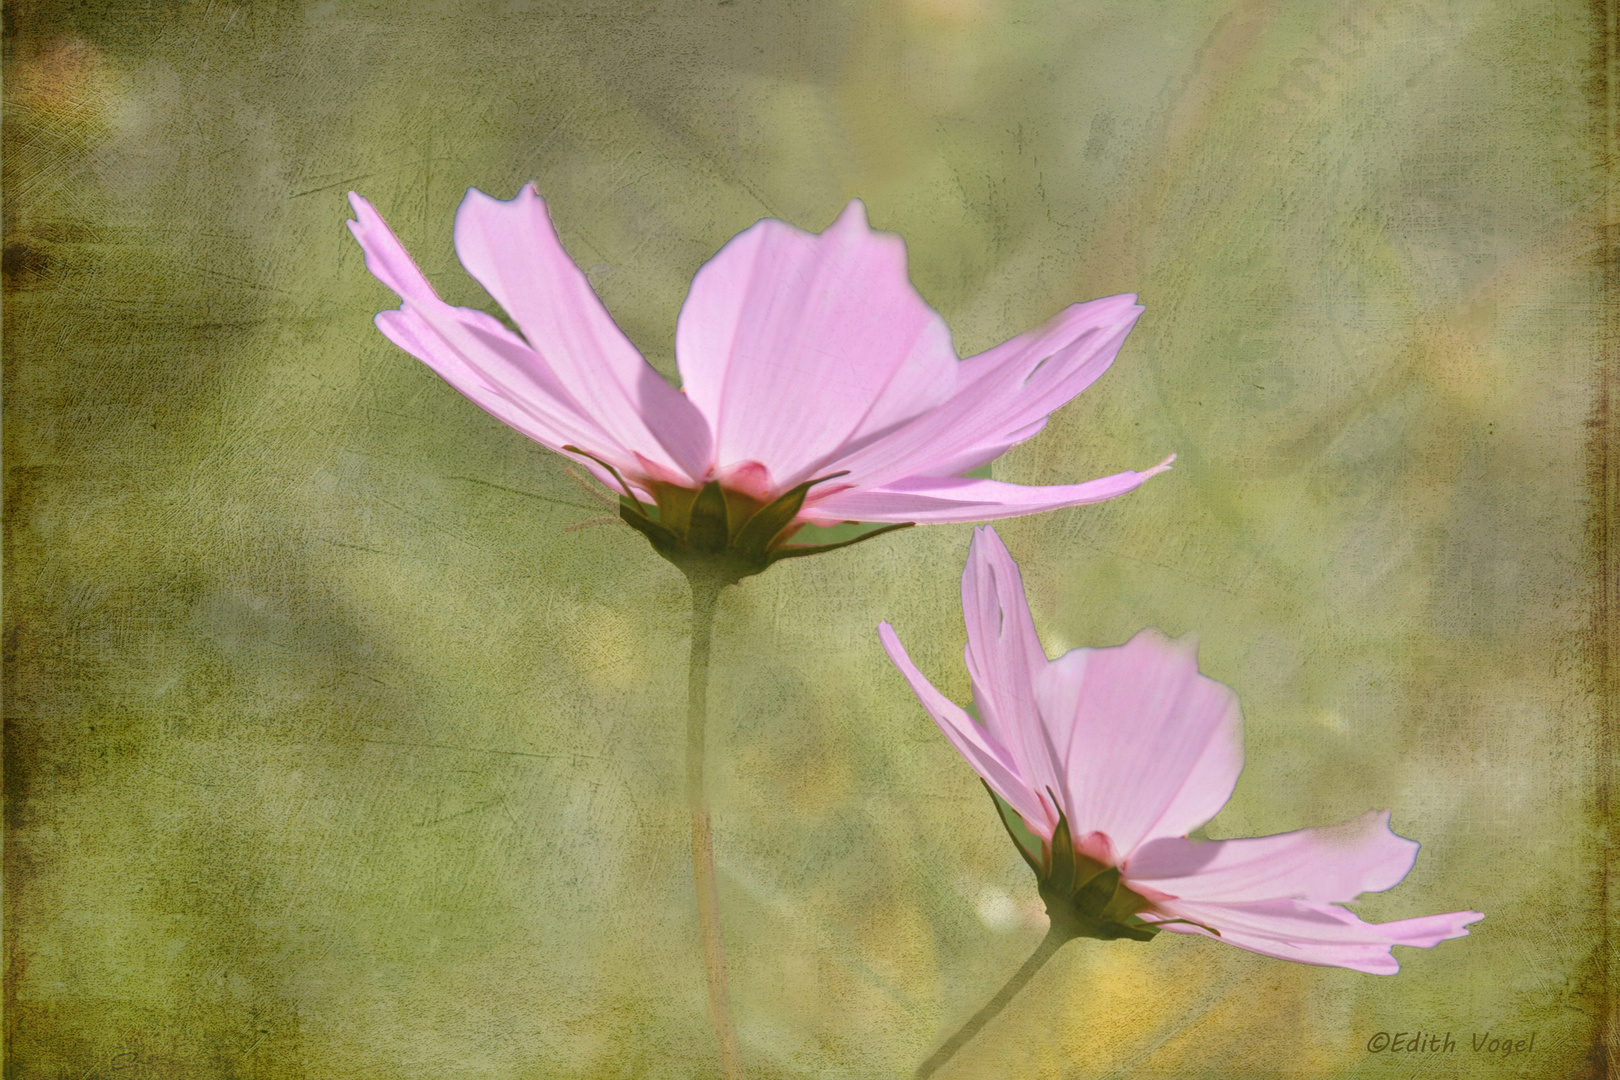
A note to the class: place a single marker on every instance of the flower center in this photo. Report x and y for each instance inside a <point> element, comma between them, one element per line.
<point>1085,897</point>
<point>1092,901</point>
<point>718,535</point>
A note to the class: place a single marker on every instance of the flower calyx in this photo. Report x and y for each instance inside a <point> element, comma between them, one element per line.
<point>721,535</point>
<point>1083,897</point>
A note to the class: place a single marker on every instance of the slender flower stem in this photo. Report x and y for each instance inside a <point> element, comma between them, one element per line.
<point>1043,952</point>
<point>705,594</point>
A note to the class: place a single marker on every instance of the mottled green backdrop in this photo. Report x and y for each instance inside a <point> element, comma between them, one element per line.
<point>332,752</point>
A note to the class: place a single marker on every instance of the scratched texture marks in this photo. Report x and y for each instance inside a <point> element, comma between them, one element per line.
<point>332,752</point>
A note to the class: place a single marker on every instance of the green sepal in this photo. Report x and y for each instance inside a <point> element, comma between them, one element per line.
<point>1189,922</point>
<point>629,494</point>
<point>798,551</point>
<point>716,535</point>
<point>1061,862</point>
<point>764,530</point>
<point>662,538</point>
<point>1095,895</point>
<point>707,531</point>
<point>1114,931</point>
<point>675,507</point>
<point>1083,897</point>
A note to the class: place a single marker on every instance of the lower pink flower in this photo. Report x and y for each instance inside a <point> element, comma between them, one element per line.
<point>1109,757</point>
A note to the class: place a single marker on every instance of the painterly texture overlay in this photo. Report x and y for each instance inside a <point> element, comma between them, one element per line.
<point>332,750</point>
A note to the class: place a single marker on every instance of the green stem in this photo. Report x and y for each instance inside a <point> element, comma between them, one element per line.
<point>705,594</point>
<point>1043,952</point>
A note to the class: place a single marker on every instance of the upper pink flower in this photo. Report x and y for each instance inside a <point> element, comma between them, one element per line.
<point>1121,752</point>
<point>801,356</point>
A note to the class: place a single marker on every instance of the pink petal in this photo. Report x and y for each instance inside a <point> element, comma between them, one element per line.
<point>485,361</point>
<point>1313,933</point>
<point>972,457</point>
<point>499,373</point>
<point>1002,397</point>
<point>1057,690</point>
<point>411,332</point>
<point>938,500</point>
<point>1004,659</point>
<point>1154,747</point>
<point>1336,863</point>
<point>987,757</point>
<point>513,251</point>
<point>386,257</point>
<point>795,346</point>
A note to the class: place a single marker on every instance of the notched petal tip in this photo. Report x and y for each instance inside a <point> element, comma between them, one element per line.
<point>365,217</point>
<point>1161,467</point>
<point>986,545</point>
<point>386,258</point>
<point>1427,931</point>
<point>477,195</point>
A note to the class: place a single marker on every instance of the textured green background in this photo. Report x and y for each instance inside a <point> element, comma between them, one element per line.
<point>330,753</point>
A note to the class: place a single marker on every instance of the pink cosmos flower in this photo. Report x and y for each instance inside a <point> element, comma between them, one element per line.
<point>1109,757</point>
<point>817,386</point>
